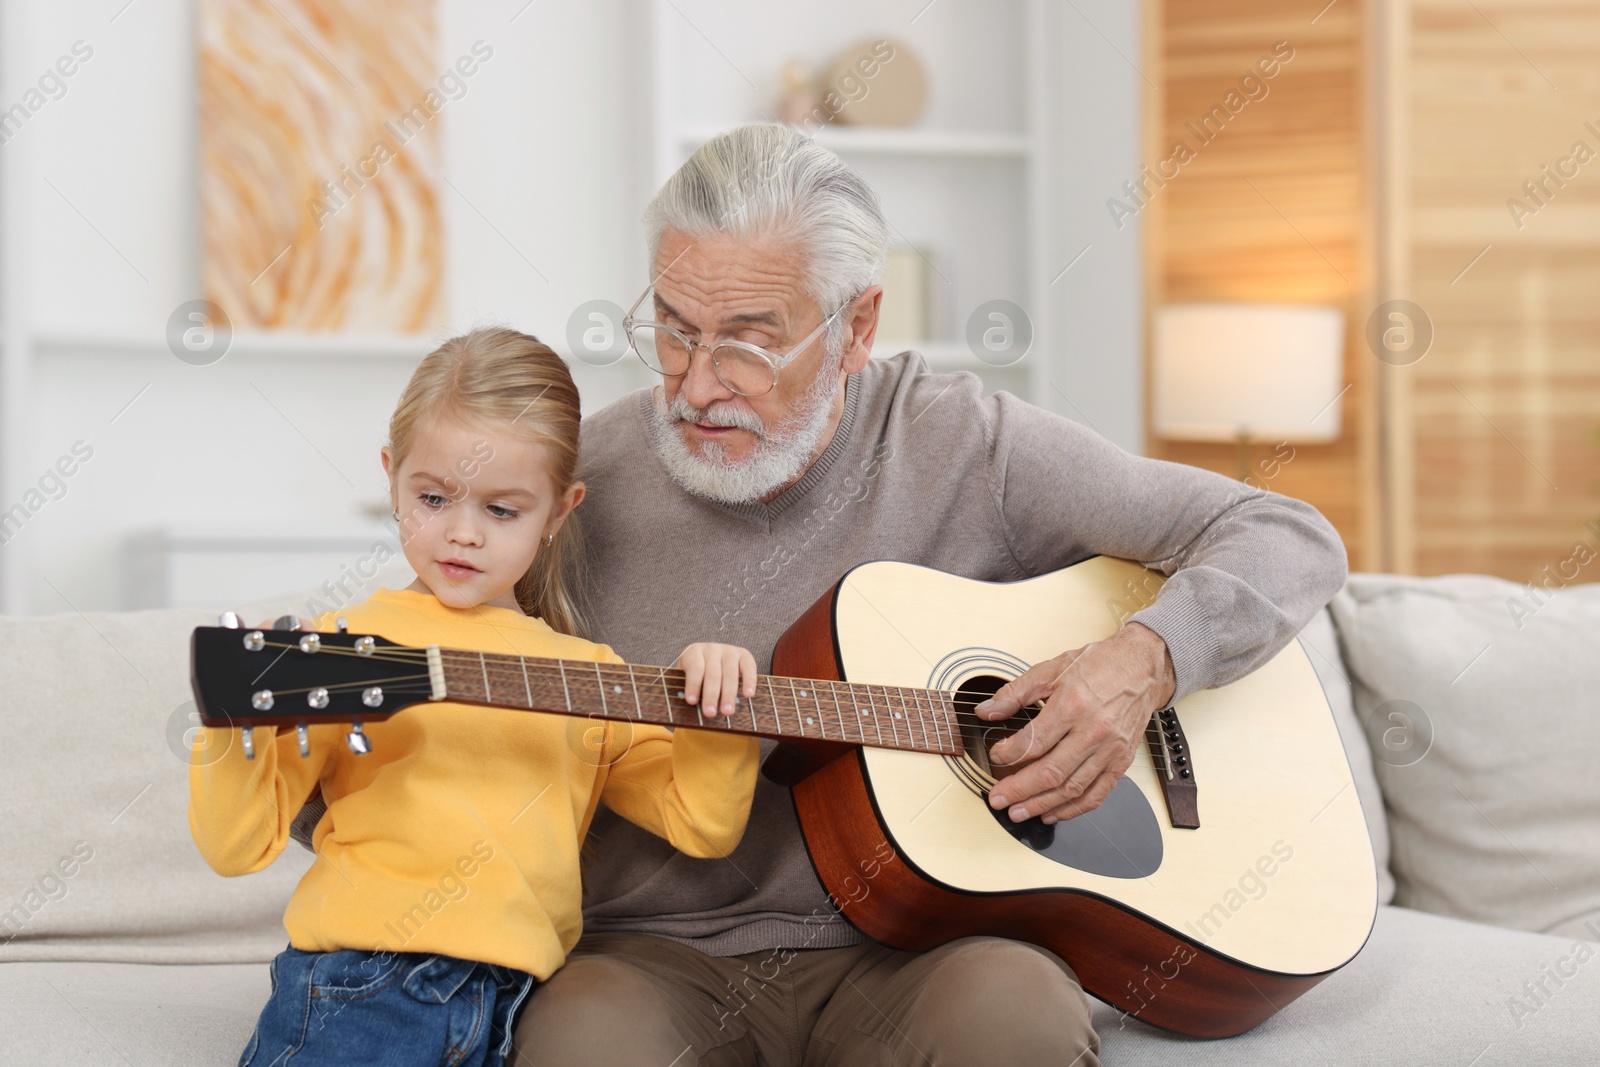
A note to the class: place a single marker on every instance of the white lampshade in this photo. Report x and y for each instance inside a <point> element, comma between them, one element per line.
<point>1268,372</point>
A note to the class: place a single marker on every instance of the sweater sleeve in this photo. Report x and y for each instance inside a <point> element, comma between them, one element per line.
<point>1246,568</point>
<point>240,810</point>
<point>691,787</point>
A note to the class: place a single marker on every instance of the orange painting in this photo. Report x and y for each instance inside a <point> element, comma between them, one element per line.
<point>320,164</point>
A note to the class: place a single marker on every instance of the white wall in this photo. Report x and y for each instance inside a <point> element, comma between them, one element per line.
<point>99,243</point>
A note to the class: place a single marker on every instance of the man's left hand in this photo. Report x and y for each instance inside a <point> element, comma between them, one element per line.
<point>1097,701</point>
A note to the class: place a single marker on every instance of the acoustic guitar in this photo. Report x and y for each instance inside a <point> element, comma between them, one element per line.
<point>1228,871</point>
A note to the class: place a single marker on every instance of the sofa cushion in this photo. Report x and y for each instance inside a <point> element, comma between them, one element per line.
<point>72,1014</point>
<point>1426,992</point>
<point>1481,707</point>
<point>95,788</point>
<point>1322,647</point>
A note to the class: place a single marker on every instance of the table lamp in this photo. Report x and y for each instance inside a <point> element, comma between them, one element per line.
<point>1247,372</point>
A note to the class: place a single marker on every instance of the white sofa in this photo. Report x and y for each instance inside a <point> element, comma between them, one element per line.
<point>119,946</point>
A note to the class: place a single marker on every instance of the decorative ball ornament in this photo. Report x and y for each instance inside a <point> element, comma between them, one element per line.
<point>875,82</point>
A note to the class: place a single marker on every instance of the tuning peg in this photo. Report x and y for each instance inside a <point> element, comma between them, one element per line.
<point>358,741</point>
<point>249,745</point>
<point>284,622</point>
<point>229,620</point>
<point>305,741</point>
<point>342,626</point>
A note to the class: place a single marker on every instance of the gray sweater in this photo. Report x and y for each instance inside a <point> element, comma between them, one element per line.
<point>926,469</point>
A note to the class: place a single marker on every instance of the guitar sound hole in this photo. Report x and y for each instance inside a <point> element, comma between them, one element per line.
<point>1119,839</point>
<point>980,735</point>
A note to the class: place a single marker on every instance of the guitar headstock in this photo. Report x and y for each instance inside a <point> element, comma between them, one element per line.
<point>248,678</point>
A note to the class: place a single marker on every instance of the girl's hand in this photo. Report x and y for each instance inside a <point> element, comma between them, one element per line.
<point>712,674</point>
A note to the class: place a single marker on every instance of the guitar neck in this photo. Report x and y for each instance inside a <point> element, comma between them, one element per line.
<point>917,720</point>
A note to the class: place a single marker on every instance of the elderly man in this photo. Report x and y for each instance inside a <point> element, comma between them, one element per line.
<point>773,456</point>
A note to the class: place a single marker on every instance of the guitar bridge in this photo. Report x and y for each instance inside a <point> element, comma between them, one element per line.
<point>1169,750</point>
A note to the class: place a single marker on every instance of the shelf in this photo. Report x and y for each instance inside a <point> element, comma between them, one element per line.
<point>895,141</point>
<point>267,343</point>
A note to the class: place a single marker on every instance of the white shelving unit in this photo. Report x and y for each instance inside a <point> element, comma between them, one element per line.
<point>887,141</point>
<point>964,183</point>
<point>274,344</point>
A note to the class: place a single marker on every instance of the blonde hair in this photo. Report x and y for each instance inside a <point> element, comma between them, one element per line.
<point>514,382</point>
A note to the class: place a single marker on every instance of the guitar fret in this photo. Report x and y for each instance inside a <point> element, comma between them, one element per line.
<point>911,727</point>
<point>927,721</point>
<point>916,711</point>
<point>913,716</point>
<point>666,697</point>
<point>894,728</point>
<point>797,709</point>
<point>920,696</point>
<point>484,666</point>
<point>777,713</point>
<point>526,688</point>
<point>566,693</point>
<point>900,717</point>
<point>638,706</point>
<point>699,705</point>
<point>838,712</point>
<point>946,722</point>
<point>928,716</point>
<point>915,720</point>
<point>853,715</point>
<point>876,725</point>
<point>803,720</point>
<point>600,683</point>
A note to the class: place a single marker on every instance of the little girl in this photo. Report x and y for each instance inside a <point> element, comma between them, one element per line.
<point>446,880</point>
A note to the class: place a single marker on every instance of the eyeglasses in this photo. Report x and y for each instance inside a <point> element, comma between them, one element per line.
<point>746,369</point>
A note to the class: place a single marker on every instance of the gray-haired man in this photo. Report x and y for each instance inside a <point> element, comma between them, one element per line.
<point>723,502</point>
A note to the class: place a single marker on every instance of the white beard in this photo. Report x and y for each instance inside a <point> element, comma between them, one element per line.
<point>779,455</point>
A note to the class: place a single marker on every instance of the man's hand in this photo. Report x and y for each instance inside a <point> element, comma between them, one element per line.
<point>1097,700</point>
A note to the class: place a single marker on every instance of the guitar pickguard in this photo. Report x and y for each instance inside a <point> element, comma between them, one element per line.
<point>1119,839</point>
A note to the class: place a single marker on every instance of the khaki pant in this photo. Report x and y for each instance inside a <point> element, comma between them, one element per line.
<point>625,999</point>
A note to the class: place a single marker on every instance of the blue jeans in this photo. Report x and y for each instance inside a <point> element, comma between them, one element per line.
<point>396,1009</point>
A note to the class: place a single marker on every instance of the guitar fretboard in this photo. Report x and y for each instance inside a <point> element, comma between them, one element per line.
<point>918,720</point>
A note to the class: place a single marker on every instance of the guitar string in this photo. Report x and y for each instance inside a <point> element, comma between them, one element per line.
<point>906,694</point>
<point>420,684</point>
<point>1009,727</point>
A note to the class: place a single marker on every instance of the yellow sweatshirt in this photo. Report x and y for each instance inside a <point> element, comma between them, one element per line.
<point>459,832</point>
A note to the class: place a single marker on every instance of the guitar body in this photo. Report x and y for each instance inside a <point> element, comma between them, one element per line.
<point>1207,931</point>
